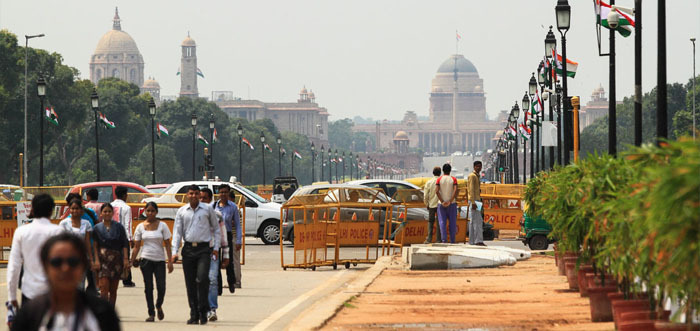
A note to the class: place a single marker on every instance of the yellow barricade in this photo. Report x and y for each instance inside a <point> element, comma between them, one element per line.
<point>503,205</point>
<point>342,226</point>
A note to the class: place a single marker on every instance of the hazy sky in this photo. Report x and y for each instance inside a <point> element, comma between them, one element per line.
<point>367,58</point>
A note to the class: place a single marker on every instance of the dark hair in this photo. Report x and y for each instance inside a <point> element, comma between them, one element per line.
<point>71,196</point>
<point>105,205</point>
<point>42,205</point>
<point>446,168</point>
<point>193,188</point>
<point>223,186</point>
<point>92,194</point>
<point>152,204</point>
<point>209,193</point>
<point>76,201</point>
<point>232,195</point>
<point>477,162</point>
<point>77,243</point>
<point>436,171</point>
<point>120,192</point>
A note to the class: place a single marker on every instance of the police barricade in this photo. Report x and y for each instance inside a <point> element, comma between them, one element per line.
<point>341,226</point>
<point>410,221</point>
<point>168,204</point>
<point>503,205</point>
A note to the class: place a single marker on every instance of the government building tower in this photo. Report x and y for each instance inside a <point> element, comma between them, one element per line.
<point>188,69</point>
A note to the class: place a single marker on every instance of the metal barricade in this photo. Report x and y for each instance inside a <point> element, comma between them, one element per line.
<point>340,227</point>
<point>503,205</point>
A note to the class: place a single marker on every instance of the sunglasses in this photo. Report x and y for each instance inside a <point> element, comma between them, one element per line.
<point>57,262</point>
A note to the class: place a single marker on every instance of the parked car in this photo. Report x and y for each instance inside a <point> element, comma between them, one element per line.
<point>478,153</point>
<point>262,217</point>
<point>341,191</point>
<point>105,192</point>
<point>389,186</point>
<point>283,188</point>
<point>157,188</point>
<point>534,232</point>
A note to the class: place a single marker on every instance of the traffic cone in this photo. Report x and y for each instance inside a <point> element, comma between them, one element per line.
<point>354,216</point>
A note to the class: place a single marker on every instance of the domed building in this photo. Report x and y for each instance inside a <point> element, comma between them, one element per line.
<point>151,86</point>
<point>457,72</point>
<point>117,55</point>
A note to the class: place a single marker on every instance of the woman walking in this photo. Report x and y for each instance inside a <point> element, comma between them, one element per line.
<point>65,259</point>
<point>150,238</point>
<point>110,250</point>
<point>75,224</point>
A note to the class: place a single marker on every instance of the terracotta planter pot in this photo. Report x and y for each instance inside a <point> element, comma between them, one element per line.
<point>667,326</point>
<point>556,256</point>
<point>621,296</point>
<point>637,325</point>
<point>581,278</point>
<point>571,274</point>
<point>644,315</point>
<point>595,281</point>
<point>562,265</point>
<point>625,306</point>
<point>601,310</point>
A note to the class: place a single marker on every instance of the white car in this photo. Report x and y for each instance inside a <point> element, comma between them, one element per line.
<point>262,217</point>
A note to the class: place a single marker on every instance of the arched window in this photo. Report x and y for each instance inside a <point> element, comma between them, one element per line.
<point>115,73</point>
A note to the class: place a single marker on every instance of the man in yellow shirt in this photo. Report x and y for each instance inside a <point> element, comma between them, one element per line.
<point>476,222</point>
<point>431,202</point>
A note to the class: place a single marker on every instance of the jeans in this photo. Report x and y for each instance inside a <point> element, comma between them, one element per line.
<point>445,214</point>
<point>149,269</point>
<point>195,265</point>
<point>213,284</point>
<point>476,226</point>
<point>431,226</point>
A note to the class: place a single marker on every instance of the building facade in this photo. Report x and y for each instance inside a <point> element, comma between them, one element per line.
<point>304,117</point>
<point>117,55</point>
<point>457,121</point>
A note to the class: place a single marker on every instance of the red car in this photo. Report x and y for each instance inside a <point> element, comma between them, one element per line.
<point>106,192</point>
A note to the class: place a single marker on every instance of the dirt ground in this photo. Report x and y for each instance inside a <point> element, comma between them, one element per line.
<point>527,296</point>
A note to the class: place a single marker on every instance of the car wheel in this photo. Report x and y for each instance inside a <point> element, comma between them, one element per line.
<point>270,233</point>
<point>538,242</point>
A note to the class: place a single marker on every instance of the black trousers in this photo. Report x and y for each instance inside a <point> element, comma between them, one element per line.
<point>195,264</point>
<point>230,274</point>
<point>149,269</point>
<point>128,277</point>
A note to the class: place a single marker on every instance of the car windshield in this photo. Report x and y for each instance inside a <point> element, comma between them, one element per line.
<point>250,193</point>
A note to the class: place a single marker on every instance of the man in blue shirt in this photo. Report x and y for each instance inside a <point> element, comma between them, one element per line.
<point>232,220</point>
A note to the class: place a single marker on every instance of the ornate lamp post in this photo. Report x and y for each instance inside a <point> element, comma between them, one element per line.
<point>239,130</point>
<point>352,164</point>
<point>516,114</point>
<point>152,112</point>
<point>194,129</point>
<point>330,167</point>
<point>41,92</point>
<point>532,89</point>
<point>26,55</point>
<point>563,11</point>
<point>526,107</point>
<point>212,124</point>
<point>262,150</point>
<point>95,101</point>
<point>337,179</point>
<point>279,155</point>
<point>540,149</point>
<point>550,43</point>
<point>343,166</point>
<point>313,162</point>
<point>323,160</point>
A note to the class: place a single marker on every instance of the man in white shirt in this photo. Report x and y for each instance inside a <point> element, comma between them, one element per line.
<point>122,212</point>
<point>447,209</point>
<point>26,246</point>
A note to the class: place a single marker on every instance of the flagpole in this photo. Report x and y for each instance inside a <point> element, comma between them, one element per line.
<point>638,73</point>
<point>612,113</point>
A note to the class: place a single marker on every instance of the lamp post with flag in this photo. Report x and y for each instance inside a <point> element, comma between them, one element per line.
<point>337,179</point>
<point>262,142</point>
<point>152,112</point>
<point>550,44</point>
<point>41,92</point>
<point>95,101</point>
<point>323,161</point>
<point>194,133</point>
<point>213,138</point>
<point>352,164</point>
<point>516,171</point>
<point>343,166</point>
<point>540,116</point>
<point>239,130</point>
<point>521,128</point>
<point>563,14</point>
<point>279,155</point>
<point>532,90</point>
<point>313,162</point>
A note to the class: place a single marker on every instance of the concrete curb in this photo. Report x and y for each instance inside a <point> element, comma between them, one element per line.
<point>316,316</point>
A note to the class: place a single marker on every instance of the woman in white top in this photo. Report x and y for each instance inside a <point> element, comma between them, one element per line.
<point>75,224</point>
<point>152,237</point>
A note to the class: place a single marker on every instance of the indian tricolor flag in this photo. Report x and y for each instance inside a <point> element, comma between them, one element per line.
<point>571,66</point>
<point>283,151</point>
<point>267,147</point>
<point>245,141</point>
<point>107,123</point>
<point>536,103</point>
<point>162,130</point>
<point>216,137</point>
<point>525,131</point>
<point>201,140</point>
<point>297,155</point>
<point>602,10</point>
<point>51,116</point>
<point>511,132</point>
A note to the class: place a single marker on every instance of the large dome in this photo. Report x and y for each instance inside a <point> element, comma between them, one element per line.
<point>116,42</point>
<point>463,65</point>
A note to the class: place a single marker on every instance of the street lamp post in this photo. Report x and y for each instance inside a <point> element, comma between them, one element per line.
<point>239,130</point>
<point>152,111</point>
<point>694,79</point>
<point>330,169</point>
<point>343,166</point>
<point>516,115</point>
<point>313,162</point>
<point>526,107</point>
<point>532,89</point>
<point>279,155</point>
<point>95,101</point>
<point>194,128</point>
<point>550,43</point>
<point>212,124</point>
<point>262,150</point>
<point>352,163</point>
<point>662,89</point>
<point>41,91</point>
<point>26,135</point>
<point>540,149</point>
<point>563,12</point>
<point>557,98</point>
<point>337,179</point>
<point>323,160</point>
